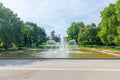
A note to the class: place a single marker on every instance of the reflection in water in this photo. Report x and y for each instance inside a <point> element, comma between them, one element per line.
<point>69,53</point>
<point>55,53</point>
<point>56,50</point>
<point>60,53</point>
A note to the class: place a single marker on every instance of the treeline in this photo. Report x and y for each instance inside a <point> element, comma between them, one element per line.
<point>84,34</point>
<point>106,33</point>
<point>16,33</point>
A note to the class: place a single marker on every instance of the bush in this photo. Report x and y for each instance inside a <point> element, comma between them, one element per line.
<point>21,48</point>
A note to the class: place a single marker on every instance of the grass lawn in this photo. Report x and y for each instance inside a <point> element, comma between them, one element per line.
<point>9,50</point>
<point>72,46</point>
<point>113,48</point>
<point>21,55</point>
<point>92,54</point>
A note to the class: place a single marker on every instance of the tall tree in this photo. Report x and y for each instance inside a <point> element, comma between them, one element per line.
<point>55,37</point>
<point>52,34</point>
<point>88,35</point>
<point>10,27</point>
<point>33,34</point>
<point>117,11</point>
<point>74,29</point>
<point>27,35</point>
<point>108,25</point>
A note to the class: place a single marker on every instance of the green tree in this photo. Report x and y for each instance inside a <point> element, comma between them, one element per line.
<point>55,37</point>
<point>10,27</point>
<point>27,35</point>
<point>14,32</point>
<point>74,29</point>
<point>108,25</point>
<point>42,37</point>
<point>52,35</point>
<point>117,11</point>
<point>33,34</point>
<point>88,35</point>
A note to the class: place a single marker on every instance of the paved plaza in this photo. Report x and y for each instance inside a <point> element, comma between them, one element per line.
<point>60,69</point>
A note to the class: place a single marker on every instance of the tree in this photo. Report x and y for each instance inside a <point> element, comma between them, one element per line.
<point>33,34</point>
<point>88,35</point>
<point>27,35</point>
<point>55,37</point>
<point>42,37</point>
<point>14,32</point>
<point>117,11</point>
<point>52,34</point>
<point>108,25</point>
<point>74,29</point>
<point>10,27</point>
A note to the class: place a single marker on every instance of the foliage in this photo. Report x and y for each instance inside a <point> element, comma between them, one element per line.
<point>88,35</point>
<point>74,29</point>
<point>110,25</point>
<point>10,27</point>
<point>33,34</point>
<point>14,32</point>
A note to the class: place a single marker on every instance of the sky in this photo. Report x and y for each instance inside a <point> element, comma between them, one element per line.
<point>57,15</point>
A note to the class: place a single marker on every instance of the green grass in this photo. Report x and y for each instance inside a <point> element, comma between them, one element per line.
<point>20,55</point>
<point>87,53</point>
<point>8,50</point>
<point>113,48</point>
<point>34,48</point>
<point>72,46</point>
<point>18,49</point>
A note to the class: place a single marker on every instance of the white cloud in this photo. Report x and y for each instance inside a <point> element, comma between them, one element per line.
<point>58,14</point>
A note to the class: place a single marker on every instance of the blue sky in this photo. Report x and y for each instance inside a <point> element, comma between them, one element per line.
<point>58,14</point>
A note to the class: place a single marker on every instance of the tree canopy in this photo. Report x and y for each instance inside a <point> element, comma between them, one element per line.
<point>14,32</point>
<point>110,24</point>
<point>88,35</point>
<point>10,27</point>
<point>55,37</point>
<point>74,29</point>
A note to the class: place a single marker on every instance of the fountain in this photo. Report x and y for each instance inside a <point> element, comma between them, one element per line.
<point>72,44</point>
<point>58,49</point>
<point>61,45</point>
<point>51,41</point>
<point>52,44</point>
